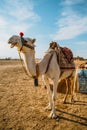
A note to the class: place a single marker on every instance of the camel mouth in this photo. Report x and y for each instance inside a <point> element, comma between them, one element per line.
<point>12,45</point>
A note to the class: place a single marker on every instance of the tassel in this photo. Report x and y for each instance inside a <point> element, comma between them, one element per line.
<point>35,81</point>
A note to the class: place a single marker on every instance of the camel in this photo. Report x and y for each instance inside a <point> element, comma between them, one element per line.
<point>48,66</point>
<point>69,81</point>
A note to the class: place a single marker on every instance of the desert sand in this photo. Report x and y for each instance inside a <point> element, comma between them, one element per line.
<point>22,105</point>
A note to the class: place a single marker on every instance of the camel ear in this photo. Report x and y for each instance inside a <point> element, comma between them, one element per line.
<point>33,40</point>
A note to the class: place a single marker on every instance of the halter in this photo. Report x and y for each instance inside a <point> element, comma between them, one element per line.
<point>24,44</point>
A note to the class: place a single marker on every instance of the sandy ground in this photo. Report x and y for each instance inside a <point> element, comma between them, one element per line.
<point>22,105</point>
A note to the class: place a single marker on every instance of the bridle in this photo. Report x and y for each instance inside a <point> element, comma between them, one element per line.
<point>24,44</point>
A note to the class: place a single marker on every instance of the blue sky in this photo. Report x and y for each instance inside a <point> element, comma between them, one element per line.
<point>63,21</point>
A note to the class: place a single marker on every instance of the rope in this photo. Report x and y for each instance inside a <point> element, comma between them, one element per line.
<point>34,77</point>
<point>23,65</point>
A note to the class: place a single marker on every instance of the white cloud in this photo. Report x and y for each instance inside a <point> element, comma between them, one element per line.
<point>70,28</point>
<point>23,13</point>
<point>20,14</point>
<point>2,22</point>
<point>15,16</point>
<point>82,43</point>
<point>81,53</point>
<point>70,24</point>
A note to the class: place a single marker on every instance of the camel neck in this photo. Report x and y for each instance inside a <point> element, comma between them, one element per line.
<point>29,61</point>
<point>30,64</point>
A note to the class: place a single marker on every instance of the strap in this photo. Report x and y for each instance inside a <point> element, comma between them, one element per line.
<point>67,68</point>
<point>29,46</point>
<point>49,63</point>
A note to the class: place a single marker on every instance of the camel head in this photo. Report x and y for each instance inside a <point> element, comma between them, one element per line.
<point>23,44</point>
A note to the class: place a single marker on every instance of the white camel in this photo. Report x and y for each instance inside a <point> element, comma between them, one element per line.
<point>71,81</point>
<point>48,66</point>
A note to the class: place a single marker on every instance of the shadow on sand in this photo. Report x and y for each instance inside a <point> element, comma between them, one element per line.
<point>78,103</point>
<point>72,118</point>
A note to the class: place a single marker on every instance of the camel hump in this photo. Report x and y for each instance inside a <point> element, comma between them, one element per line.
<point>64,55</point>
<point>67,53</point>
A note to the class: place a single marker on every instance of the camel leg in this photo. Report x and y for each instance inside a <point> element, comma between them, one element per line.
<point>73,88</point>
<point>67,89</point>
<point>53,112</point>
<point>49,92</point>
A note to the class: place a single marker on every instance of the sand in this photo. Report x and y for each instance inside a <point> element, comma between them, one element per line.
<point>22,105</point>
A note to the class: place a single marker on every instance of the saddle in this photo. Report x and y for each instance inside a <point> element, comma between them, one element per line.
<point>67,54</point>
<point>64,56</point>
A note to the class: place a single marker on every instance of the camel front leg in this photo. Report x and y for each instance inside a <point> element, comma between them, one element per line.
<point>49,92</point>
<point>53,112</point>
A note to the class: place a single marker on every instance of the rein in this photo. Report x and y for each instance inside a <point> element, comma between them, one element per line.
<point>37,72</point>
<point>37,67</point>
<point>49,63</point>
<point>23,66</point>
